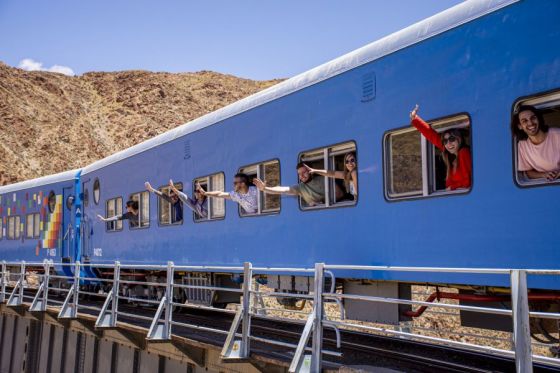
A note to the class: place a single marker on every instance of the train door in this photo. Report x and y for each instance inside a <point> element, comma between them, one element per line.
<point>85,224</point>
<point>68,233</point>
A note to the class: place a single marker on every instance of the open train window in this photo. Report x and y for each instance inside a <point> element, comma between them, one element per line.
<point>530,171</point>
<point>338,191</point>
<point>143,199</point>
<point>413,166</point>
<point>96,191</point>
<point>209,208</point>
<point>14,227</point>
<point>86,196</point>
<point>114,207</point>
<point>269,172</point>
<point>52,201</point>
<point>69,202</point>
<point>32,225</point>
<point>168,214</point>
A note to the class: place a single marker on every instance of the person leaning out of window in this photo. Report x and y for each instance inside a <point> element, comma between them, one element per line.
<point>538,147</point>
<point>455,152</point>
<point>349,175</point>
<point>132,214</point>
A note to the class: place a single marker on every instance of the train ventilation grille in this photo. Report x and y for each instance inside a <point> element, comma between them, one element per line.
<point>187,150</point>
<point>368,87</point>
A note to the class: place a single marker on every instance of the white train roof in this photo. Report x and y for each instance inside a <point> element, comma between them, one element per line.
<point>427,28</point>
<point>45,180</point>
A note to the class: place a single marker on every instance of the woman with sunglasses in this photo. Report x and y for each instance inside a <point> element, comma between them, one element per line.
<point>455,153</point>
<point>349,175</point>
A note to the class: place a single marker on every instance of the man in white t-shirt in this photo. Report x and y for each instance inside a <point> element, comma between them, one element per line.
<point>538,147</point>
<point>242,193</point>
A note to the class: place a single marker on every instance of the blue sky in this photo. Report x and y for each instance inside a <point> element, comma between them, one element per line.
<point>251,39</point>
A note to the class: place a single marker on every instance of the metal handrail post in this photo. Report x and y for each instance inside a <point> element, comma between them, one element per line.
<point>169,298</point>
<point>317,346</point>
<point>46,279</point>
<point>246,318</point>
<point>76,286</point>
<point>521,326</point>
<point>115,300</point>
<point>3,283</point>
<point>22,281</point>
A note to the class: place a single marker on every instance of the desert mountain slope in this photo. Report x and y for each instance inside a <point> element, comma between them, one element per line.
<point>51,122</point>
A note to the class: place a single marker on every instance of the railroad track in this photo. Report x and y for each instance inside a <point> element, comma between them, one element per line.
<point>357,348</point>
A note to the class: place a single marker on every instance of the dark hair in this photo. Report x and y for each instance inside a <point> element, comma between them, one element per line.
<point>300,165</point>
<point>519,133</point>
<point>243,177</point>
<point>132,204</point>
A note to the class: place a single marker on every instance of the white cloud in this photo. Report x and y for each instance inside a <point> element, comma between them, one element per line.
<point>32,65</point>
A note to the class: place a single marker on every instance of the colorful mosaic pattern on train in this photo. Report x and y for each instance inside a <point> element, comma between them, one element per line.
<point>49,224</point>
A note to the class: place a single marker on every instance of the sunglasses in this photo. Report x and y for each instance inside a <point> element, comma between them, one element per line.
<point>352,160</point>
<point>449,139</point>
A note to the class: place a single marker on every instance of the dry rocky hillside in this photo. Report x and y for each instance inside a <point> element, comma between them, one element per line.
<point>50,122</point>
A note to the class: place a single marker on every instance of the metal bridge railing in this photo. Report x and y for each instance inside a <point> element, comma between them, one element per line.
<point>237,342</point>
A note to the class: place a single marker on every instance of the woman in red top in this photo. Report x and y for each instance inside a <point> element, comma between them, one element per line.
<point>456,154</point>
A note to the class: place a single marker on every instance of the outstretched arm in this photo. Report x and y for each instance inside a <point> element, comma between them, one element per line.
<point>150,189</point>
<point>273,190</point>
<point>328,173</point>
<point>215,194</point>
<point>182,196</point>
<point>158,193</point>
<point>428,132</point>
<point>114,218</point>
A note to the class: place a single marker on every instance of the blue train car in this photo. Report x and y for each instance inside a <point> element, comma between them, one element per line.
<point>468,67</point>
<point>40,219</point>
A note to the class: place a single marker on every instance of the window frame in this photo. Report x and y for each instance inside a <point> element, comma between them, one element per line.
<point>106,210</point>
<point>85,195</point>
<point>159,201</point>
<point>329,181</point>
<point>1,227</point>
<point>140,205</point>
<point>51,195</point>
<point>428,155</point>
<point>16,226</point>
<point>34,222</point>
<point>209,218</point>
<point>530,100</point>
<point>98,199</point>
<point>261,195</point>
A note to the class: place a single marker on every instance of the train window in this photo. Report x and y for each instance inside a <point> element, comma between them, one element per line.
<point>269,172</point>
<point>96,191</point>
<point>52,201</point>
<point>69,202</point>
<point>1,228</point>
<point>113,208</point>
<point>414,167</point>
<point>14,225</point>
<point>36,225</point>
<point>167,214</point>
<point>143,199</point>
<point>404,164</point>
<point>213,208</point>
<point>338,192</point>
<point>86,197</point>
<point>528,175</point>
<point>33,225</point>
